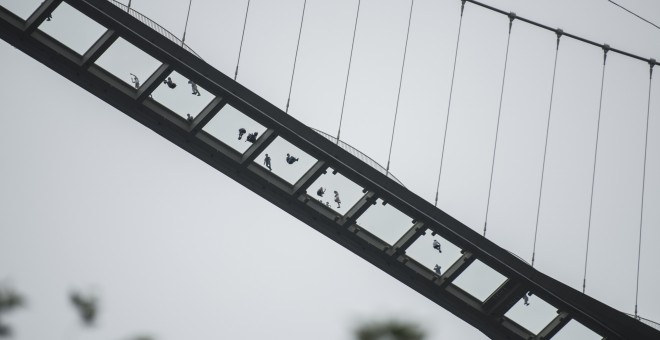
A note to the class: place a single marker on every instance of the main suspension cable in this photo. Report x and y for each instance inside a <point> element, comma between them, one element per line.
<point>295,58</point>
<point>635,14</point>
<point>545,148</point>
<point>185,29</point>
<point>350,60</point>
<point>606,48</point>
<point>451,91</point>
<point>398,96</point>
<point>240,48</point>
<point>641,217</point>
<point>512,16</point>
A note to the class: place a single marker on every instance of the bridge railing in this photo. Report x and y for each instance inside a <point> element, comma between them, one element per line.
<point>355,152</point>
<point>153,25</point>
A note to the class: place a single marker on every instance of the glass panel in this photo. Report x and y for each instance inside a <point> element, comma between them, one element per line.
<point>479,280</point>
<point>533,314</point>
<point>72,28</point>
<point>127,62</point>
<point>227,126</point>
<point>385,221</point>
<point>575,330</point>
<point>22,8</point>
<point>285,160</point>
<point>325,186</point>
<point>425,252</point>
<point>177,94</point>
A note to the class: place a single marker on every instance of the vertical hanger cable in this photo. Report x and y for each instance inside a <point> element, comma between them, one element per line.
<point>240,48</point>
<point>295,58</point>
<point>350,60</point>
<point>545,148</point>
<point>512,16</point>
<point>606,48</point>
<point>398,96</point>
<point>451,91</point>
<point>641,213</point>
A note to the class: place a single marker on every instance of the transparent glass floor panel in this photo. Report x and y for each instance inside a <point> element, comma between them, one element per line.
<point>385,221</point>
<point>479,280</point>
<point>22,8</point>
<point>349,192</point>
<point>124,60</point>
<point>422,251</point>
<point>279,151</point>
<point>72,28</point>
<point>575,330</point>
<point>176,94</point>
<point>535,316</point>
<point>226,124</point>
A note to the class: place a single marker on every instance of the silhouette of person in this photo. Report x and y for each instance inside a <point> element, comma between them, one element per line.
<point>337,200</point>
<point>190,118</point>
<point>251,137</point>
<point>436,245</point>
<point>194,87</point>
<point>169,83</point>
<point>526,299</point>
<point>267,162</point>
<point>241,132</point>
<point>320,192</point>
<point>135,81</point>
<point>290,159</point>
<point>436,269</point>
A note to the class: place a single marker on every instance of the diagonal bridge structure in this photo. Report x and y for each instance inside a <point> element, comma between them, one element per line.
<point>297,196</point>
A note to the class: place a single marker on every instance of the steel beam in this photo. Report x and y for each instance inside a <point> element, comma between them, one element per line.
<point>207,114</point>
<point>152,83</point>
<point>318,169</point>
<point>554,326</point>
<point>407,239</point>
<point>258,147</point>
<point>358,209</point>
<point>40,15</point>
<point>100,46</point>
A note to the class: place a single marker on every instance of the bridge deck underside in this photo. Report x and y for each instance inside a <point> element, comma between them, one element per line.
<point>486,314</point>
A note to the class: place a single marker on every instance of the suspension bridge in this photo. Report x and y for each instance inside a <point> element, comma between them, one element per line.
<point>208,130</point>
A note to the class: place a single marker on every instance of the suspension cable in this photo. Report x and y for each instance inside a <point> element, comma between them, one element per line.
<point>350,60</point>
<point>451,91</point>
<point>606,48</point>
<point>295,58</point>
<point>403,64</point>
<point>512,16</point>
<point>186,27</point>
<point>240,48</point>
<point>635,14</point>
<point>559,33</point>
<point>641,217</point>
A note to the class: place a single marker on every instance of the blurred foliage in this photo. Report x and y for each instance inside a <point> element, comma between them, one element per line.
<point>9,300</point>
<point>86,306</point>
<point>389,330</point>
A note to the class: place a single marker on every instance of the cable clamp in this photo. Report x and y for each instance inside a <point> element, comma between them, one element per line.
<point>606,48</point>
<point>559,33</point>
<point>652,63</point>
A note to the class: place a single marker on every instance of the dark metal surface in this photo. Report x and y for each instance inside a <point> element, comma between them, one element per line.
<point>599,317</point>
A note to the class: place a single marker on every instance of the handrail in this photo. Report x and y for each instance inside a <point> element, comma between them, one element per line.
<point>357,153</point>
<point>155,26</point>
<point>646,321</point>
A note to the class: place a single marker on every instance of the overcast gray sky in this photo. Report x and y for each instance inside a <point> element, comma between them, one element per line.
<point>90,199</point>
